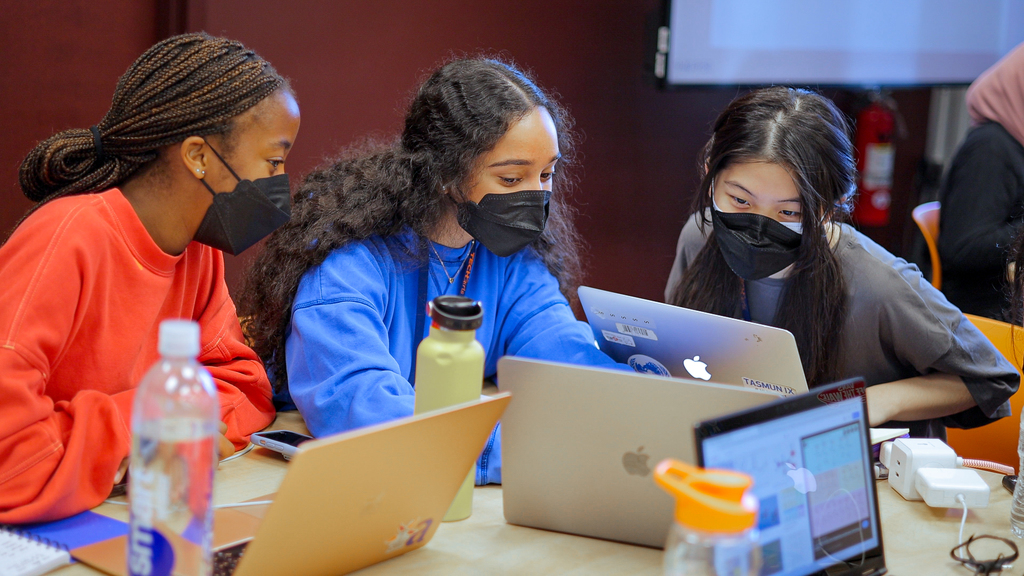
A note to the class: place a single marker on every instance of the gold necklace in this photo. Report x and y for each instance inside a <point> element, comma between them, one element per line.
<point>451,279</point>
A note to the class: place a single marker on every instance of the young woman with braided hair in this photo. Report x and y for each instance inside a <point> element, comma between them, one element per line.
<point>458,205</point>
<point>132,217</point>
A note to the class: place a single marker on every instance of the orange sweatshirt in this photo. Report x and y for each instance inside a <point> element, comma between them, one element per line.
<point>83,289</point>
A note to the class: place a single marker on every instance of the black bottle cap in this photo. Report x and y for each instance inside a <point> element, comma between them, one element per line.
<point>456,312</point>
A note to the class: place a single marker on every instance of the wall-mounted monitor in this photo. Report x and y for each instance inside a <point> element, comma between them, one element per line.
<point>835,42</point>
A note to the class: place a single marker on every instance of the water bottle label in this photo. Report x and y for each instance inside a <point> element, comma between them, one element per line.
<point>171,516</point>
<point>149,552</point>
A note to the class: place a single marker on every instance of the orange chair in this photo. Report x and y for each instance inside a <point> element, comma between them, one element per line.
<point>996,442</point>
<point>927,217</point>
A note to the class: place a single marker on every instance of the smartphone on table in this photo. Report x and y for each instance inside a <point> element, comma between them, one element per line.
<point>284,441</point>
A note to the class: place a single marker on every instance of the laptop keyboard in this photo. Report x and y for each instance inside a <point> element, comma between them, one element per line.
<point>225,561</point>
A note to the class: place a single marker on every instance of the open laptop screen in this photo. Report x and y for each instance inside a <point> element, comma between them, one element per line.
<point>810,460</point>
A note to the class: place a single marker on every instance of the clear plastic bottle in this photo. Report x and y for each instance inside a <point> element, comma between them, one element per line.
<point>174,428</point>
<point>714,533</point>
<point>450,370</point>
<point>1017,508</point>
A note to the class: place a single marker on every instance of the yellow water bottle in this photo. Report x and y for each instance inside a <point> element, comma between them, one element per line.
<point>450,370</point>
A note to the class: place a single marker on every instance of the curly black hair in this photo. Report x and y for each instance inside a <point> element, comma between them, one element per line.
<point>460,113</point>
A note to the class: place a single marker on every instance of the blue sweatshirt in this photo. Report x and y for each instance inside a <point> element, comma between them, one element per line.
<point>351,345</point>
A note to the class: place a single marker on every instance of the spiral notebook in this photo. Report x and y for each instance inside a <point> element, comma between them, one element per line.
<point>24,554</point>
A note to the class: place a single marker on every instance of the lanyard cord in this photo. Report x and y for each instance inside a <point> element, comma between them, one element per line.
<point>744,303</point>
<point>421,298</point>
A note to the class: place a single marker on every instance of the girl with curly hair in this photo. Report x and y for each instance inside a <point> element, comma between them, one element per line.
<point>470,200</point>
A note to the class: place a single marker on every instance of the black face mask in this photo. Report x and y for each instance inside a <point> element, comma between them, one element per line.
<point>238,219</point>
<point>754,246</point>
<point>506,223</point>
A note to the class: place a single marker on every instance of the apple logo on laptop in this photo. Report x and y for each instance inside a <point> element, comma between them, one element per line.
<point>696,368</point>
<point>635,463</point>
<point>644,364</point>
<point>803,480</point>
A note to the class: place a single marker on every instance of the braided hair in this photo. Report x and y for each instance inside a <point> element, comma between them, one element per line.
<point>460,113</point>
<point>187,85</point>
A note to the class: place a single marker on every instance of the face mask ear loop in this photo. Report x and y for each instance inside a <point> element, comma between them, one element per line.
<point>208,187</point>
<point>222,161</point>
<point>714,203</point>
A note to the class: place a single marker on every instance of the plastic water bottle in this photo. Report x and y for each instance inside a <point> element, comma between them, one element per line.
<point>450,370</point>
<point>174,428</point>
<point>1017,508</point>
<point>713,533</point>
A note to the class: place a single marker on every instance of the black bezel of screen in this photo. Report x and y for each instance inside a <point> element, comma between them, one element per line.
<point>874,559</point>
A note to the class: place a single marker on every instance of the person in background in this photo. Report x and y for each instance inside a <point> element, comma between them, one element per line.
<point>982,195</point>
<point>765,243</point>
<point>132,217</point>
<point>471,199</point>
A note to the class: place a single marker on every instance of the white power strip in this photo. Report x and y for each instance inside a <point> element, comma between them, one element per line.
<point>927,469</point>
<point>908,455</point>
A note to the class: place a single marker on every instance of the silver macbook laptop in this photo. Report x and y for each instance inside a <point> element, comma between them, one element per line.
<point>810,458</point>
<point>579,444</point>
<point>666,340</point>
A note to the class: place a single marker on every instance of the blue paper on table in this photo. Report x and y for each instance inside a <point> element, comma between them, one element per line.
<point>79,530</point>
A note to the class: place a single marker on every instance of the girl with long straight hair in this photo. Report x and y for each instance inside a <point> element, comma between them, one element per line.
<point>471,199</point>
<point>766,243</point>
<point>132,216</point>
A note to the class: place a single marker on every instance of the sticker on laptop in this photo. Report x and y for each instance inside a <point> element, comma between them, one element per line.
<point>773,388</point>
<point>410,533</point>
<point>618,338</point>
<point>636,331</point>
<point>633,319</point>
<point>646,365</point>
<point>844,392</point>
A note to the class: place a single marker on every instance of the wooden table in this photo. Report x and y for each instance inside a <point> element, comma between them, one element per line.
<point>917,538</point>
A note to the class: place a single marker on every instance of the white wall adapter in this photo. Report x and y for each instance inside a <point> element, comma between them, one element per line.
<point>940,486</point>
<point>908,455</point>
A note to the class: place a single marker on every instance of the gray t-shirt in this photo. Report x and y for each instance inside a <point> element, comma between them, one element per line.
<point>763,298</point>
<point>899,326</point>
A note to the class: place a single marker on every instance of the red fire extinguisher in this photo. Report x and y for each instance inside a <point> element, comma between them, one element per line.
<point>876,125</point>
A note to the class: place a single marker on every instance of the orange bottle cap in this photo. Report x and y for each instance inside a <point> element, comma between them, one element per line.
<point>709,500</point>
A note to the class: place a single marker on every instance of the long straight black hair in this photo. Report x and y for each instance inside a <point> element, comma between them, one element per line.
<point>807,135</point>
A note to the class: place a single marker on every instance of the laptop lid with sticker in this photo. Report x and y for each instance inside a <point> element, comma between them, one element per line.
<point>666,340</point>
<point>358,498</point>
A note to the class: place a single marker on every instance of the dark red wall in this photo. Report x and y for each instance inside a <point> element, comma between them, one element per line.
<point>59,63</point>
<point>355,65</point>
